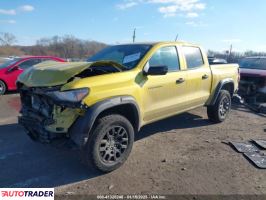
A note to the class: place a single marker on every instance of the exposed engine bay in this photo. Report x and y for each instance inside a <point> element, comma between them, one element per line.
<point>252,86</point>
<point>252,90</point>
<point>97,70</point>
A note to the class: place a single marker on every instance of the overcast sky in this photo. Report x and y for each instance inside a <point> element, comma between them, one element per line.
<point>215,24</point>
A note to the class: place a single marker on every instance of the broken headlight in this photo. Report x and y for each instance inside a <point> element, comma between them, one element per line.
<point>70,95</point>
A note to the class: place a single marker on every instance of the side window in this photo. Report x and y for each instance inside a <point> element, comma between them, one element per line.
<point>193,57</point>
<point>166,56</point>
<point>29,63</point>
<point>46,59</point>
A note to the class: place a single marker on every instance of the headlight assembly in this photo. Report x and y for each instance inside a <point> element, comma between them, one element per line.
<point>70,95</point>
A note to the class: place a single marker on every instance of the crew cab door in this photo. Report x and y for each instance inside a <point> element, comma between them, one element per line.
<point>199,76</point>
<point>163,95</point>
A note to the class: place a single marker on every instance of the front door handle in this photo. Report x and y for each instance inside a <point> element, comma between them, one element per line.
<point>205,76</point>
<point>179,81</point>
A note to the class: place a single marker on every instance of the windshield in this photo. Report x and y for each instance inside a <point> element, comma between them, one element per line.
<point>253,63</point>
<point>8,63</point>
<point>126,55</point>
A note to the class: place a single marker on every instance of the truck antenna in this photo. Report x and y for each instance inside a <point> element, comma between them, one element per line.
<point>176,37</point>
<point>134,35</point>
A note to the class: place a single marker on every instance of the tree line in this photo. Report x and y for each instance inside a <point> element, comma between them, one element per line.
<point>70,47</point>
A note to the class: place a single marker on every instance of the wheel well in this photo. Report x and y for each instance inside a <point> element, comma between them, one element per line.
<point>229,87</point>
<point>129,111</point>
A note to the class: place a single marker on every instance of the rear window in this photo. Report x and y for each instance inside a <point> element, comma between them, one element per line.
<point>193,57</point>
<point>253,63</point>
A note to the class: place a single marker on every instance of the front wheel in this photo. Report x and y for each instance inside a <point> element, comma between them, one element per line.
<point>2,88</point>
<point>219,111</point>
<point>110,143</point>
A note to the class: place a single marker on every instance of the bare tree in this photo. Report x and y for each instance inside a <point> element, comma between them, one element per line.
<point>7,39</point>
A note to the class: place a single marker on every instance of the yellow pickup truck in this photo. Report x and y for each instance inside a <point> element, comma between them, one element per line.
<point>101,104</point>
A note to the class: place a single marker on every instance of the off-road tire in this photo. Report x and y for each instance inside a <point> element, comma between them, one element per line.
<point>91,152</point>
<point>2,88</point>
<point>218,112</point>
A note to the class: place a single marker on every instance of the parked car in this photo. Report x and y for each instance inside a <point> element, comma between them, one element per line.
<point>11,69</point>
<point>253,77</point>
<point>100,105</point>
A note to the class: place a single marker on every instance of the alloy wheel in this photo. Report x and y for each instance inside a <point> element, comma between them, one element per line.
<point>224,107</point>
<point>113,144</point>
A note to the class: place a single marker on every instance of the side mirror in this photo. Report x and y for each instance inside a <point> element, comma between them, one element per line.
<point>13,68</point>
<point>156,70</point>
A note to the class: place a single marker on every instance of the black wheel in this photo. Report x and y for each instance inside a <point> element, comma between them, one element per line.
<point>2,88</point>
<point>110,143</point>
<point>220,110</point>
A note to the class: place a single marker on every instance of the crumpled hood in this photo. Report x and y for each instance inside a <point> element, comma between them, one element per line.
<point>51,73</point>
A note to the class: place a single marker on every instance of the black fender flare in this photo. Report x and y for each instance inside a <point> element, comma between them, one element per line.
<point>79,131</point>
<point>219,87</point>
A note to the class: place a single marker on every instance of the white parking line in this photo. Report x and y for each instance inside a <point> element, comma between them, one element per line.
<point>8,119</point>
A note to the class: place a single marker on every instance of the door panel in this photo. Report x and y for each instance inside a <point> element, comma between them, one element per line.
<point>163,96</point>
<point>199,86</point>
<point>12,77</point>
<point>199,76</point>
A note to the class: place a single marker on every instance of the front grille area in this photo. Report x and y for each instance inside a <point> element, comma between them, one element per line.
<point>36,113</point>
<point>259,81</point>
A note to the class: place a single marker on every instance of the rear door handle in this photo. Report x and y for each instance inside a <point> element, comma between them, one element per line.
<point>205,76</point>
<point>179,81</point>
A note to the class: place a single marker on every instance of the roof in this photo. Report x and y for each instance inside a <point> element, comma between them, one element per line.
<point>29,56</point>
<point>52,57</point>
<point>157,43</point>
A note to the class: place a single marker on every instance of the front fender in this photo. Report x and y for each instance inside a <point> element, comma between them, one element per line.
<point>80,130</point>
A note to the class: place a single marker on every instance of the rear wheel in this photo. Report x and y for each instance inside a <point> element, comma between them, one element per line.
<point>110,143</point>
<point>2,88</point>
<point>219,111</point>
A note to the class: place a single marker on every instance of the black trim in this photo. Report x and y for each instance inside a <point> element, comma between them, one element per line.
<point>79,131</point>
<point>219,87</point>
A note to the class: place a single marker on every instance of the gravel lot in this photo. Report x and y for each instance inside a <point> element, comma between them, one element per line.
<point>184,154</point>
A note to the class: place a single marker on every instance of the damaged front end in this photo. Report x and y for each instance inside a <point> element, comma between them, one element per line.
<point>47,113</point>
<point>51,103</point>
<point>252,85</point>
<point>253,88</point>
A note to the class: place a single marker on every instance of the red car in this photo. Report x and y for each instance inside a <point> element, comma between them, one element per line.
<point>253,77</point>
<point>10,70</point>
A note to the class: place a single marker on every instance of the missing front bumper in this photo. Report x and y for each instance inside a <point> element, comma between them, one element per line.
<point>44,118</point>
<point>36,131</point>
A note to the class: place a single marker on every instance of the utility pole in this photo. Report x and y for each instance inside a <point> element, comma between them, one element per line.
<point>230,52</point>
<point>176,37</point>
<point>134,35</point>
